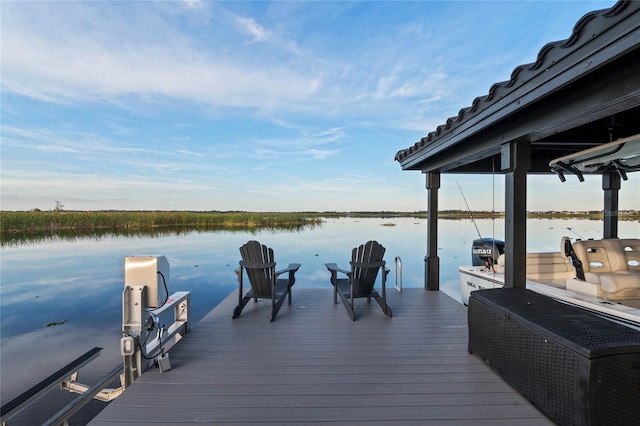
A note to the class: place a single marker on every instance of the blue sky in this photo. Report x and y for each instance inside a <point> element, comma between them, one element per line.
<point>259,106</point>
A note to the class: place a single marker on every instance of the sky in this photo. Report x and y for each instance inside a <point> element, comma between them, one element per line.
<point>259,106</point>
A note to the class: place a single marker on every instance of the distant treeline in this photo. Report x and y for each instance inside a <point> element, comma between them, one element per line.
<point>464,214</point>
<point>592,215</point>
<point>58,219</point>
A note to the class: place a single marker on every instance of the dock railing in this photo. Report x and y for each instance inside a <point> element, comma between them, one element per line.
<point>139,351</point>
<point>398,274</point>
<point>18,403</point>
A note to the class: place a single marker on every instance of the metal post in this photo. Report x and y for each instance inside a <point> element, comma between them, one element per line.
<point>611,187</point>
<point>515,161</point>
<point>432,261</point>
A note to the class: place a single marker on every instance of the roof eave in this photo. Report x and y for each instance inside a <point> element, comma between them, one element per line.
<point>598,38</point>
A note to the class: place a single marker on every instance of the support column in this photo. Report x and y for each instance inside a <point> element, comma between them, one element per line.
<point>515,161</point>
<point>611,187</point>
<point>432,261</point>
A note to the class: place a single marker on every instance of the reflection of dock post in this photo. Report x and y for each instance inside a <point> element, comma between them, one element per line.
<point>432,261</point>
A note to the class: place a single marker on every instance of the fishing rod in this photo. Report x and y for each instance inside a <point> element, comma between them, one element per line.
<point>572,230</point>
<point>469,209</point>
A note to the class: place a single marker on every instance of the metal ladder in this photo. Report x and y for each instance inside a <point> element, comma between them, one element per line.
<point>398,274</point>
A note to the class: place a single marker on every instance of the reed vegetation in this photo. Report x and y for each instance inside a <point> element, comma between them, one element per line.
<point>19,239</point>
<point>58,220</point>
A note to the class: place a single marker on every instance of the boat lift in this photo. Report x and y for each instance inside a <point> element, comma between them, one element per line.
<point>143,316</point>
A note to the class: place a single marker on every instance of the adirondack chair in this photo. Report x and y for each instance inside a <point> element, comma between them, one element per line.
<point>366,260</point>
<point>260,266</point>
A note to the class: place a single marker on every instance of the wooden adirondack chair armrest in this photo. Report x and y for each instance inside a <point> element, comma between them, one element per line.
<point>293,267</point>
<point>385,272</point>
<point>333,268</point>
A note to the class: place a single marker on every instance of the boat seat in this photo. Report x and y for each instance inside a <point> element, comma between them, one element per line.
<point>499,266</point>
<point>611,268</point>
<point>631,249</point>
<point>595,259</point>
<point>551,268</point>
<point>548,265</point>
<point>618,281</point>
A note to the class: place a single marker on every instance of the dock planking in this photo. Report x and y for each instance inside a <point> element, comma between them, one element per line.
<point>315,365</point>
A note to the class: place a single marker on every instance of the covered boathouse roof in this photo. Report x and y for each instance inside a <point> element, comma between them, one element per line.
<point>580,92</point>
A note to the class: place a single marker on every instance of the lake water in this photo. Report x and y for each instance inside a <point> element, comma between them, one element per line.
<point>80,282</point>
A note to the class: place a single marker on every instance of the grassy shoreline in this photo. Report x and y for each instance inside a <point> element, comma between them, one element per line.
<point>58,220</point>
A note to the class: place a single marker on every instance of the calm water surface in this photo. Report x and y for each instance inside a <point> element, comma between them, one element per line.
<point>81,282</point>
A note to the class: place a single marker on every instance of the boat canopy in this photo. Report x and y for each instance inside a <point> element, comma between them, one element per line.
<point>621,156</point>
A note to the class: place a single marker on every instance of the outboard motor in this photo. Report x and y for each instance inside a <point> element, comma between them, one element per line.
<point>485,251</point>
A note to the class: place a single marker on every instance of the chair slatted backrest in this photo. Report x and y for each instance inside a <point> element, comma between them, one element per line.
<point>366,261</point>
<point>258,260</point>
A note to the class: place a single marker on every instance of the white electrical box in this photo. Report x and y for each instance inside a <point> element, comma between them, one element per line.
<point>150,271</point>
<point>127,346</point>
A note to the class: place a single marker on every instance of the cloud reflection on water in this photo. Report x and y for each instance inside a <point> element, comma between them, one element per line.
<point>81,281</point>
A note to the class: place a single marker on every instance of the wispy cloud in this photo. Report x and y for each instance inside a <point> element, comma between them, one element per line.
<point>76,55</point>
<point>316,144</point>
<point>192,104</point>
<point>252,28</point>
<point>68,60</point>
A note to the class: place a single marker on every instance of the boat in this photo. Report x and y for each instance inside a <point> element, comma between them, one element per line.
<point>600,275</point>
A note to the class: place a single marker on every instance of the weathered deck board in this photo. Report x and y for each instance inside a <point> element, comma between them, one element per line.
<point>315,365</point>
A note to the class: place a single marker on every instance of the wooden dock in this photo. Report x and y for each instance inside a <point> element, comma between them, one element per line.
<point>315,365</point>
